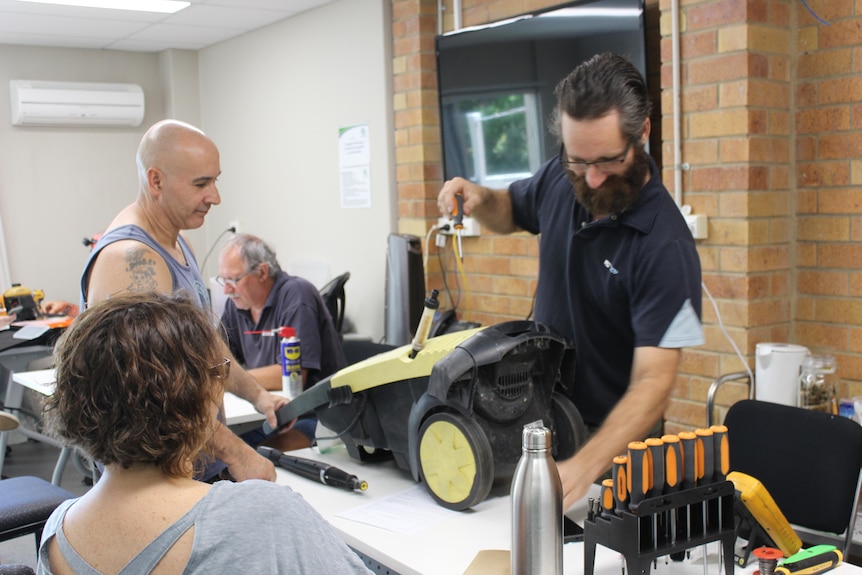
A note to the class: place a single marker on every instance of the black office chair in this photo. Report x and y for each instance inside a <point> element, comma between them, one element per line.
<point>25,505</point>
<point>335,299</point>
<point>809,461</point>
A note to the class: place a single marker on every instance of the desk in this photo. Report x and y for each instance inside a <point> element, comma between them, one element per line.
<point>240,415</point>
<point>448,547</point>
<point>16,359</point>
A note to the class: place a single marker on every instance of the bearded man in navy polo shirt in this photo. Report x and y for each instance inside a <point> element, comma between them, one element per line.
<point>619,274</point>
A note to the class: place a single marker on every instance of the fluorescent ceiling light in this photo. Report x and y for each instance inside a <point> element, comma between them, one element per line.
<point>586,11</point>
<point>166,6</point>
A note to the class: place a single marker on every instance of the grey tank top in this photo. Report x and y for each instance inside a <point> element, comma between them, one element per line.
<point>143,562</point>
<point>184,276</point>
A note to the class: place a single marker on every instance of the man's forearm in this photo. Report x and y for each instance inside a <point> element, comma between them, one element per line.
<point>242,461</point>
<point>636,413</point>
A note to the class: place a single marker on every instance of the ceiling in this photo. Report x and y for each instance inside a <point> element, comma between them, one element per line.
<point>203,23</point>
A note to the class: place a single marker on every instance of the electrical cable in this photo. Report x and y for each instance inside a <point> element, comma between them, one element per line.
<point>816,17</point>
<point>445,281</point>
<point>459,262</point>
<point>732,343</point>
<point>432,229</point>
<point>215,243</point>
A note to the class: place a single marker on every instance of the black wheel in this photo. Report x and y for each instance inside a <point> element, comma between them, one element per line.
<point>570,433</point>
<point>455,460</point>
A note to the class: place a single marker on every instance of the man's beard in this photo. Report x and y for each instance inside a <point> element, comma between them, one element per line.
<point>618,192</point>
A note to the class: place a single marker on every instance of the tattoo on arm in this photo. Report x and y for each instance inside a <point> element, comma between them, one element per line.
<point>142,270</point>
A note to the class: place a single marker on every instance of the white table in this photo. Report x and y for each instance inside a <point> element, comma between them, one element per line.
<point>449,547</point>
<point>240,415</point>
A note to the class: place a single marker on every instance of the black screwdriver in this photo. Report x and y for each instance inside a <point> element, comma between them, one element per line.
<point>314,470</point>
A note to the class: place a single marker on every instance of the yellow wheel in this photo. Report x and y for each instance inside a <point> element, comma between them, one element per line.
<point>455,460</point>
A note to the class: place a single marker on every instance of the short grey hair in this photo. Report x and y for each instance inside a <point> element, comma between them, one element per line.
<point>254,251</point>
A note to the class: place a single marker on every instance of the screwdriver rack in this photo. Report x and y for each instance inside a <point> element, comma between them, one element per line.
<point>665,525</point>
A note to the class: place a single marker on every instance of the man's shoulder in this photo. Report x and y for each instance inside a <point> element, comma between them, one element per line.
<point>127,265</point>
<point>296,285</point>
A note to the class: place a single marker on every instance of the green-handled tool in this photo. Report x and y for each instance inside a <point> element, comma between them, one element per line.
<point>817,559</point>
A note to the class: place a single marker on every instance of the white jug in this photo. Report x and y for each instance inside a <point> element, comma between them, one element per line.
<point>776,375</point>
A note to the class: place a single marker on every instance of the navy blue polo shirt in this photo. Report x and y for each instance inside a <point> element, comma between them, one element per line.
<point>629,280</point>
<point>295,302</point>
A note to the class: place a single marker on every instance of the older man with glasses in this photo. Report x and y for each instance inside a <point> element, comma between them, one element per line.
<point>619,274</point>
<point>262,298</point>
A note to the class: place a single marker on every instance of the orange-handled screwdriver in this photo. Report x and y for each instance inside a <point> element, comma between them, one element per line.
<point>706,457</point>
<point>621,488</point>
<point>672,462</point>
<point>458,223</point>
<point>721,452</point>
<point>688,441</point>
<point>607,498</point>
<point>638,473</point>
<point>672,478</point>
<point>655,453</point>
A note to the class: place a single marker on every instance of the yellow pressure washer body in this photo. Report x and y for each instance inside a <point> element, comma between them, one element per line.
<point>453,415</point>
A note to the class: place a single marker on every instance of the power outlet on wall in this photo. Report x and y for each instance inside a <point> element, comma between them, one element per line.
<point>697,223</point>
<point>471,227</point>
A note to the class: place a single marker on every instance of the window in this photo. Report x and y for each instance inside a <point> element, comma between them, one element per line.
<point>492,140</point>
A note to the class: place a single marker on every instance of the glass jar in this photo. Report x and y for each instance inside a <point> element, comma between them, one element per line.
<point>816,386</point>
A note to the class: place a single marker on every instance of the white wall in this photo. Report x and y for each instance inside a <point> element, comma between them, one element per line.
<point>273,101</point>
<point>59,185</point>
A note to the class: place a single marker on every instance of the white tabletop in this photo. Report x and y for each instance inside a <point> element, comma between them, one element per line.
<point>447,546</point>
<point>237,410</point>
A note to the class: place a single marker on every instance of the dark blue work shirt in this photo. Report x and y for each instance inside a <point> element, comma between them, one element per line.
<point>626,281</point>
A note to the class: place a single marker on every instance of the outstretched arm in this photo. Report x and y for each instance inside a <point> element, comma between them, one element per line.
<point>642,406</point>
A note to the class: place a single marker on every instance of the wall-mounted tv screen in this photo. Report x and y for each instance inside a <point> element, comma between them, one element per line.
<point>496,83</point>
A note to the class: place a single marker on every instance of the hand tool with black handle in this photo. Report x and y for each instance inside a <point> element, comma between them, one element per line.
<point>637,473</point>
<point>621,488</point>
<point>672,475</point>
<point>721,452</point>
<point>314,470</point>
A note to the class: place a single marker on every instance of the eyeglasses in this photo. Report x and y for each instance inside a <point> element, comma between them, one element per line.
<point>233,281</point>
<point>222,370</point>
<point>604,166</point>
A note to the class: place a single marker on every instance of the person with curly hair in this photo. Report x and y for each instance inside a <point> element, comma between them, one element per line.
<point>140,378</point>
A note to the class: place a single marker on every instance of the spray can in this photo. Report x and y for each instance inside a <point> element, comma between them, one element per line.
<point>537,507</point>
<point>291,368</point>
<point>431,305</point>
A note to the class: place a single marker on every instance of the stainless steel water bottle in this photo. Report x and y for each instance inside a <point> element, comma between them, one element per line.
<point>537,507</point>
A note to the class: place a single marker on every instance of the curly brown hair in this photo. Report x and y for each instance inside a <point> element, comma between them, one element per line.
<point>137,379</point>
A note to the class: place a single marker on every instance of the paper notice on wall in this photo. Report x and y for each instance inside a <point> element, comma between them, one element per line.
<point>354,156</point>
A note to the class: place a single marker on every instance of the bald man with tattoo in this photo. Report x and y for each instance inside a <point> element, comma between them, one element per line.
<point>142,250</point>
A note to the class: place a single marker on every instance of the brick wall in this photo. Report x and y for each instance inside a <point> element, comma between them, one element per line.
<point>772,131</point>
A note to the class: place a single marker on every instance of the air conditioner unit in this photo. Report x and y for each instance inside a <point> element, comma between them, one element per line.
<point>44,103</point>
